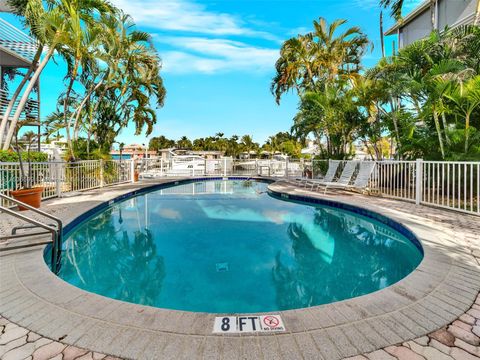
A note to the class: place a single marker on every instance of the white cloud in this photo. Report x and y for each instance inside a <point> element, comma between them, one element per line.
<point>299,30</point>
<point>205,55</point>
<point>196,37</point>
<point>187,16</point>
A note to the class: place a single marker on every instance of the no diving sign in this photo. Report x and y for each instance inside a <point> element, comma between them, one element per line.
<point>245,324</point>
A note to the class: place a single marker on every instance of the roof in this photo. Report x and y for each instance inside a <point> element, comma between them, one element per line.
<point>15,43</point>
<point>420,9</point>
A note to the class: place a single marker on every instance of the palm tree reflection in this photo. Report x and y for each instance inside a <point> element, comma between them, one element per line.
<point>113,262</point>
<point>367,257</point>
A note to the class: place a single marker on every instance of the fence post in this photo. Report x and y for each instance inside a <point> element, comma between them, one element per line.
<point>58,179</point>
<point>161,166</point>
<point>101,173</point>
<point>418,181</point>
<point>286,167</point>
<point>132,170</point>
<point>224,166</point>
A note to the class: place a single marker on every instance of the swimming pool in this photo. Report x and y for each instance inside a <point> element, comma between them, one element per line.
<point>227,246</point>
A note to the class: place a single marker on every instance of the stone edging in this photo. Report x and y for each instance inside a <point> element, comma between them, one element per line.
<point>442,288</point>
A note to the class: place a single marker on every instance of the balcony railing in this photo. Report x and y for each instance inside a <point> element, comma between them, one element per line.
<point>14,40</point>
<point>30,112</point>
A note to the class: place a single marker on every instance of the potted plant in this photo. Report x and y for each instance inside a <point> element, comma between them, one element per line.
<point>28,192</point>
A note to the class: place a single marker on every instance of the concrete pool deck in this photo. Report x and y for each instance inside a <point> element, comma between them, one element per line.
<point>441,292</point>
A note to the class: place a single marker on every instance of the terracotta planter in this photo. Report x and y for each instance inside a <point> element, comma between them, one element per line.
<point>135,176</point>
<point>32,197</point>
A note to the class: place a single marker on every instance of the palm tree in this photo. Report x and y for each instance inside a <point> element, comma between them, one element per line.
<point>78,54</point>
<point>338,55</point>
<point>247,143</point>
<point>130,86</point>
<point>51,25</point>
<point>315,60</point>
<point>294,67</point>
<point>466,97</point>
<point>121,146</point>
<point>184,143</point>
<point>396,7</point>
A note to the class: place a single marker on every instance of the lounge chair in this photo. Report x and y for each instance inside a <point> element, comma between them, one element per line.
<point>329,176</point>
<point>361,180</point>
<point>345,177</point>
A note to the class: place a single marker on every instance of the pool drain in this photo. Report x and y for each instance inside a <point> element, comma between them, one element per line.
<point>221,267</point>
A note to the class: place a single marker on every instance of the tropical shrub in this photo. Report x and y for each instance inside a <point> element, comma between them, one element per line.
<point>12,156</point>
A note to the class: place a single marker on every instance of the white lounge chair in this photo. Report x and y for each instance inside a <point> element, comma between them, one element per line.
<point>345,178</point>
<point>361,180</point>
<point>329,176</point>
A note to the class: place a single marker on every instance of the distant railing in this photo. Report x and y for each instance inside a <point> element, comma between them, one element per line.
<point>451,185</point>
<point>15,40</point>
<point>155,168</point>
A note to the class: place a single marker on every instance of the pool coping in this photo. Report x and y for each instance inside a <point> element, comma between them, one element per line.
<point>441,289</point>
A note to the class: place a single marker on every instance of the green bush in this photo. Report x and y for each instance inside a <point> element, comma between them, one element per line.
<point>12,156</point>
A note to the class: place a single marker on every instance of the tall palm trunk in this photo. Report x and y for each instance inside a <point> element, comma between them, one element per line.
<point>24,98</point>
<point>382,44</point>
<point>66,120</point>
<point>467,131</point>
<point>17,92</point>
<point>445,128</point>
<point>78,110</point>
<point>439,131</point>
<point>395,123</point>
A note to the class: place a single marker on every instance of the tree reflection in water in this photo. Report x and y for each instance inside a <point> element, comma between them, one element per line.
<point>311,280</point>
<point>132,271</point>
<point>230,247</point>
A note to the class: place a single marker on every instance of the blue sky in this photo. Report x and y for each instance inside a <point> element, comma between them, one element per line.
<point>218,60</point>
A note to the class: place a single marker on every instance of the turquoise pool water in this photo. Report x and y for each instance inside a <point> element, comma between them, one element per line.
<point>228,246</point>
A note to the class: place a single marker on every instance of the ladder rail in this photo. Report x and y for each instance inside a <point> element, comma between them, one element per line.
<point>57,233</point>
<point>38,211</point>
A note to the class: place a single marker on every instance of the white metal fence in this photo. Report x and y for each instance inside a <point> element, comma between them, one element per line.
<point>452,185</point>
<point>58,178</point>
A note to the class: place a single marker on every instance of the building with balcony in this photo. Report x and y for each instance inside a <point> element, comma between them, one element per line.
<point>17,51</point>
<point>418,23</point>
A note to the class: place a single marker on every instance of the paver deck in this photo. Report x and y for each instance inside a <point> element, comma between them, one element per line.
<point>441,292</point>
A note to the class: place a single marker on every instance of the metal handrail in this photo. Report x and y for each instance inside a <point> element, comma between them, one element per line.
<point>57,233</point>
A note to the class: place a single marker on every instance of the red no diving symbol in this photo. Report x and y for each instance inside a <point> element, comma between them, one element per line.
<point>271,321</point>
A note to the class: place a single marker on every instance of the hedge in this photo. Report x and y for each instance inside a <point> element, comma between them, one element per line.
<point>12,156</point>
